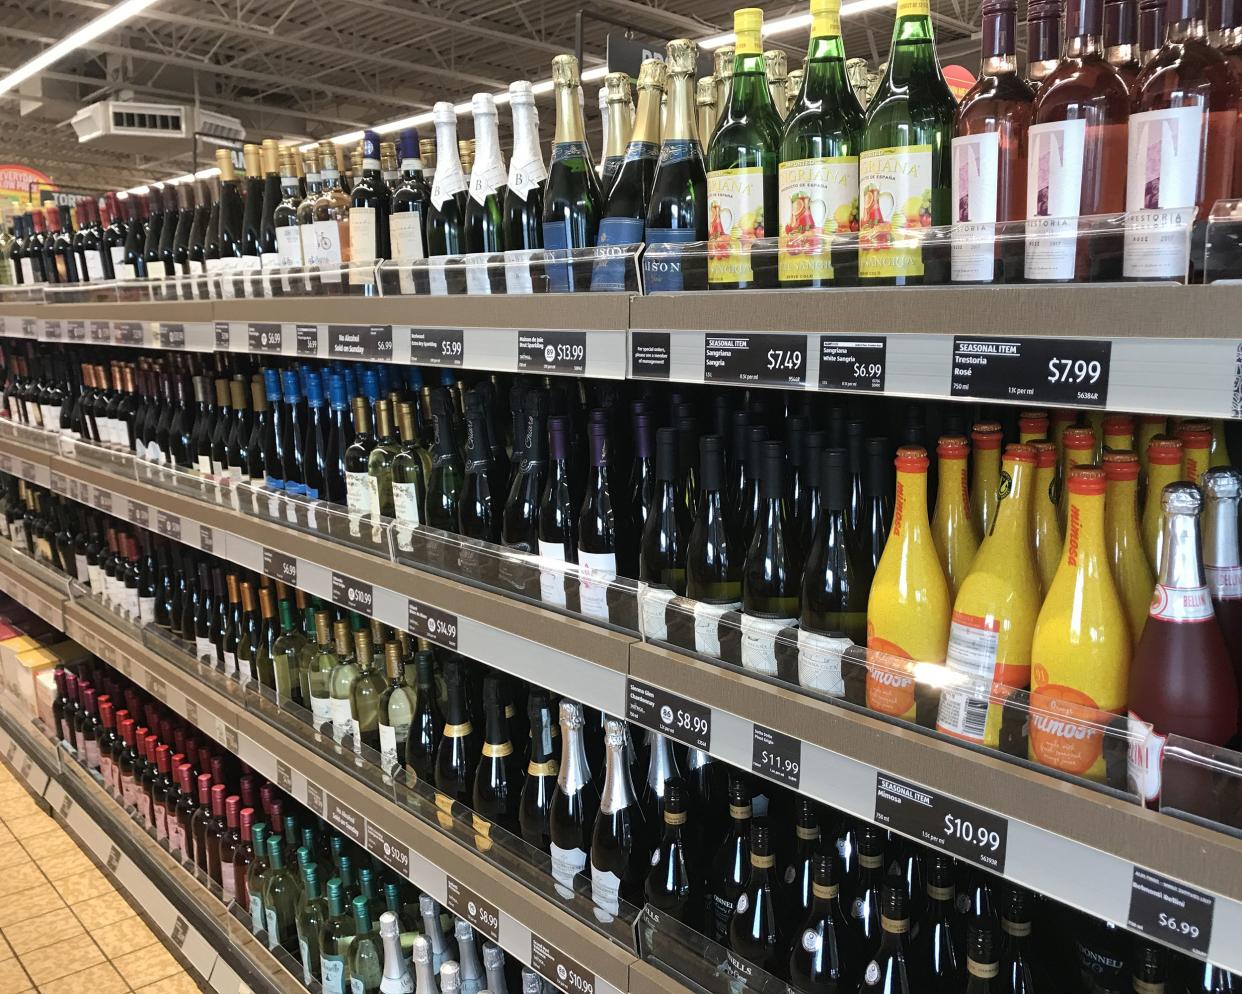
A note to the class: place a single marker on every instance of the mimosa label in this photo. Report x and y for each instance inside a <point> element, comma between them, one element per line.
<point>976,161</point>
<point>735,211</point>
<point>890,687</point>
<point>1066,728</point>
<point>1053,198</point>
<point>1162,184</point>
<point>895,185</point>
<point>818,198</point>
<point>759,642</point>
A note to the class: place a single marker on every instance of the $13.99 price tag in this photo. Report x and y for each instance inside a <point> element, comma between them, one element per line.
<point>687,722</point>
<point>954,826</point>
<point>552,351</point>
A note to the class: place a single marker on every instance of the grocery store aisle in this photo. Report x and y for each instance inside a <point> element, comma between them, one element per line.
<point>64,929</point>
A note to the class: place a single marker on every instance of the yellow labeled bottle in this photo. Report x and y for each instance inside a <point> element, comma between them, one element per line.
<point>1149,426</point>
<point>1062,418</point>
<point>1164,466</point>
<point>1196,439</point>
<point>1077,449</point>
<point>1220,451</point>
<point>1119,433</point>
<point>1032,426</point>
<point>953,529</point>
<point>908,608</point>
<point>1080,656</point>
<point>985,475</point>
<point>1096,421</point>
<point>1046,522</point>
<point>994,614</point>
<point>1124,539</point>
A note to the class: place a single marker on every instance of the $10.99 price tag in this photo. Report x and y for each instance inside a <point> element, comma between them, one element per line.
<point>687,722</point>
<point>946,823</point>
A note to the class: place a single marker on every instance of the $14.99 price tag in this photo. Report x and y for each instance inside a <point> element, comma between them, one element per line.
<point>1171,912</point>
<point>432,624</point>
<point>944,822</point>
<point>758,358</point>
<point>1038,370</point>
<point>688,722</point>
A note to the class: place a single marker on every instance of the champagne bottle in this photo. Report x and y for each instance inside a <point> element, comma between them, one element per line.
<point>1222,487</point>
<point>425,982</point>
<point>742,166</point>
<point>616,105</point>
<point>542,768</point>
<point>826,954</point>
<point>494,967</point>
<point>457,756</point>
<point>496,792</point>
<point>446,215</point>
<point>396,978</point>
<point>889,970</point>
<point>755,930</point>
<point>528,174</point>
<point>908,611</point>
<point>953,527</point>
<point>574,804</point>
<point>994,614</point>
<point>618,851</point>
<point>1080,653</point>
<point>484,219</point>
<point>772,575</point>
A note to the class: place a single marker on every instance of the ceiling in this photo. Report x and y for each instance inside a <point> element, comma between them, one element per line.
<point>317,68</point>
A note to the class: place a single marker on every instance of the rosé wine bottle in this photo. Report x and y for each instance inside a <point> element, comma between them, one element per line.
<point>1043,40</point>
<point>1151,29</point>
<point>1225,32</point>
<point>1121,38</point>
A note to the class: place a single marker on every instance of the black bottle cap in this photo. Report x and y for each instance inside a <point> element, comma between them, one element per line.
<point>739,790</point>
<point>941,870</point>
<point>535,402</point>
<point>805,815</point>
<point>711,462</point>
<point>720,414</point>
<point>493,690</point>
<point>871,841</point>
<point>981,941</point>
<point>667,443</point>
<point>1149,963</point>
<point>687,435</point>
<point>740,423</point>
<point>795,439</point>
<point>425,665</point>
<point>834,479</point>
<point>823,869</point>
<point>836,427</point>
<point>756,435</point>
<point>773,479</point>
<point>879,457</point>
<point>1017,907</point>
<point>537,702</point>
<point>855,442</point>
<point>814,456</point>
<point>684,410</point>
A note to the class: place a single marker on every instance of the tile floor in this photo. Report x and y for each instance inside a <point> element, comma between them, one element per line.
<point>64,929</point>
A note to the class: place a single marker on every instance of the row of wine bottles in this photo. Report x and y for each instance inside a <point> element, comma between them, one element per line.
<point>829,904</point>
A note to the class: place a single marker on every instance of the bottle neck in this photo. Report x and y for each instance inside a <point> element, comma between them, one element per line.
<point>680,125</point>
<point>447,155</point>
<point>569,123</point>
<point>487,155</point>
<point>1179,557</point>
<point>647,122</point>
<point>1084,535</point>
<point>525,131</point>
<point>618,793</point>
<point>910,505</point>
<point>1220,532</point>
<point>1013,512</point>
<point>574,773</point>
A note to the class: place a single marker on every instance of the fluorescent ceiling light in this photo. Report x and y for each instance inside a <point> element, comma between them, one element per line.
<point>783,25</point>
<point>101,25</point>
<point>141,191</point>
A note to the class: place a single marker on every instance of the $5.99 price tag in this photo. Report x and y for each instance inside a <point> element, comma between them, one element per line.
<point>946,823</point>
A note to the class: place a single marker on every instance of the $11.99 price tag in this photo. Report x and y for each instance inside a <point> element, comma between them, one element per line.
<point>687,722</point>
<point>946,823</point>
<point>776,756</point>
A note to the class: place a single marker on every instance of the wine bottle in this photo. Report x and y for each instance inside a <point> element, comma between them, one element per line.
<point>329,217</point>
<point>457,755</point>
<point>772,575</point>
<point>478,508</point>
<point>427,726</point>
<point>673,882</point>
<point>496,792</point>
<point>575,803</point>
<point>542,770</point>
<point>365,700</point>
<point>935,957</point>
<point>826,956</point>
<point>819,162</point>
<point>572,202</point>
<point>618,851</point>
<point>484,218</point>
<point>368,212</point>
<point>231,214</point>
<point>889,972</point>
<point>446,214</point>
<point>252,217</point>
<point>714,557</point>
<point>597,529</point>
<point>407,222</point>
<point>730,864</point>
<point>662,552</point>
<point>755,930</point>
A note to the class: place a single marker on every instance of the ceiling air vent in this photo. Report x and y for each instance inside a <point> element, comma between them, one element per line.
<point>139,127</point>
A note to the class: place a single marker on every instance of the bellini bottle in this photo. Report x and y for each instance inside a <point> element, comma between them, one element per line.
<point>1222,487</point>
<point>772,575</point>
<point>909,609</point>
<point>1188,89</point>
<point>904,169</point>
<point>1076,155</point>
<point>990,156</point>
<point>1181,679</point>
<point>572,202</point>
<point>742,167</point>
<point>1080,652</point>
<point>819,162</point>
<point>574,804</point>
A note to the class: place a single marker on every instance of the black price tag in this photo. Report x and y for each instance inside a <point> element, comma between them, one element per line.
<point>760,358</point>
<point>172,336</point>
<point>557,968</point>
<point>30,327</point>
<point>776,756</point>
<point>853,363</point>
<point>103,500</point>
<point>29,472</point>
<point>230,740</point>
<point>284,776</point>
<point>280,567</point>
<point>552,351</point>
<point>223,338</point>
<point>944,822</point>
<point>59,483</point>
<point>191,713</point>
<point>75,331</point>
<point>360,341</point>
<point>265,337</point>
<point>314,797</point>
<point>308,339</point>
<point>432,624</point>
<point>1173,913</point>
<point>388,850</point>
<point>158,690</point>
<point>689,722</point>
<point>101,332</point>
<point>168,525</point>
<point>465,903</point>
<point>206,539</point>
<point>52,331</point>
<point>346,819</point>
<point>139,514</point>
<point>1032,370</point>
<point>180,929</point>
<point>437,346</point>
<point>651,354</point>
<point>66,805</point>
<point>114,858</point>
<point>351,594</point>
<point>128,332</point>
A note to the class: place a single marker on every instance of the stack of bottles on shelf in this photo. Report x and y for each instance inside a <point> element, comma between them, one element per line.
<point>754,538</point>
<point>1134,111</point>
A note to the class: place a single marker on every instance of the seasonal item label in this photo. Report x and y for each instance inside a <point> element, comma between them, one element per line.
<point>734,220</point>
<point>818,198</point>
<point>895,184</point>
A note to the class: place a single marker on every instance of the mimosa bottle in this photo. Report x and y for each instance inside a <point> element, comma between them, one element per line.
<point>1046,532</point>
<point>985,475</point>
<point>1131,571</point>
<point>1080,656</point>
<point>1096,420</point>
<point>909,607</point>
<point>1077,449</point>
<point>1220,451</point>
<point>1119,433</point>
<point>953,529</point>
<point>1196,439</point>
<point>1032,426</point>
<point>994,613</point>
<point>1164,466</point>
<point>1149,426</point>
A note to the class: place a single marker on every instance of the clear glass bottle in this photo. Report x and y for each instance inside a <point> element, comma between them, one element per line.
<point>366,699</point>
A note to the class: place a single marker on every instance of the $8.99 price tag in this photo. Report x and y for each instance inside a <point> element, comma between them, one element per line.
<point>687,722</point>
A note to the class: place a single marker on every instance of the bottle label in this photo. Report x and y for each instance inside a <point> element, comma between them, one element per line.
<point>722,916</point>
<point>83,571</point>
<point>707,620</point>
<point>204,465</point>
<point>332,248</point>
<point>526,172</point>
<point>117,253</point>
<point>390,747</point>
<point>1066,727</point>
<point>485,179</point>
<point>307,974</point>
<point>146,610</point>
<point>310,250</point>
<point>356,731</point>
<point>362,232</point>
<point>653,605</point>
<point>405,503</point>
<point>128,272</point>
<point>1225,582</point>
<point>759,642</point>
<point>176,839</point>
<point>92,753</point>
<point>735,211</point>
<point>976,164</point>
<point>405,235</point>
<point>478,274</point>
<point>552,581</point>
<point>332,970</point>
<point>321,711</point>
<point>565,864</point>
<point>819,662</point>
<point>1144,758</point>
<point>1181,605</point>
<point>159,817</point>
<point>357,986</point>
<point>895,208</point>
<point>662,268</point>
<point>228,884</point>
<point>358,492</point>
<point>28,276</point>
<point>913,8</point>
<point>597,572</point>
<point>257,923</point>
<point>448,181</point>
<point>1053,198</point>
<point>605,893</point>
<point>437,276</point>
<point>1162,185</point>
<point>611,263</point>
<point>373,495</point>
<point>95,266</point>
<point>890,687</point>
<point>288,246</point>
<point>818,199</point>
<point>204,648</point>
<point>342,718</point>
<point>230,663</point>
<point>105,771</point>
<point>132,606</point>
<point>272,925</point>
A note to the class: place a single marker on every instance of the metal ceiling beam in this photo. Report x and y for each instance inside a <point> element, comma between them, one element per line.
<point>679,21</point>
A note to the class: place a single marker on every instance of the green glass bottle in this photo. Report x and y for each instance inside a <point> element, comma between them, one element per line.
<point>396,710</point>
<point>367,700</point>
<point>742,163</point>
<point>285,653</point>
<point>357,457</point>
<point>345,867</point>
<point>484,222</point>
<point>335,936</point>
<point>315,662</point>
<point>905,169</point>
<point>256,874</point>
<point>369,887</point>
<point>248,632</point>
<point>344,673</point>
<point>280,897</point>
<point>819,162</point>
<point>447,472</point>
<point>406,915</point>
<point>312,913</point>
<point>264,664</point>
<point>380,460</point>
<point>366,952</point>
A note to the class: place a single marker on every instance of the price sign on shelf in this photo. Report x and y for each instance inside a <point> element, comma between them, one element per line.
<point>557,968</point>
<point>139,514</point>
<point>437,346</point>
<point>280,567</point>
<point>776,756</point>
<point>432,624</point>
<point>943,822</point>
<point>759,358</point>
<point>853,363</point>
<point>386,848</point>
<point>689,722</point>
<point>284,776</point>
<point>172,336</point>
<point>75,331</point>
<point>360,341</point>
<point>128,332</point>
<point>1034,370</point>
<point>223,338</point>
<point>52,331</point>
<point>264,337</point>
<point>465,903</point>
<point>308,339</point>
<point>352,595</point>
<point>552,351</point>
<point>1171,912</point>
<point>168,525</point>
